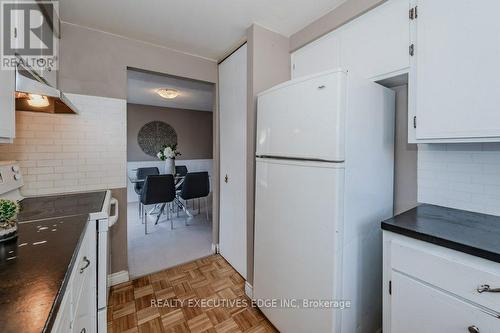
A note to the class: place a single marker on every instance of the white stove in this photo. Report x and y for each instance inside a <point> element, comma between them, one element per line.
<point>97,205</point>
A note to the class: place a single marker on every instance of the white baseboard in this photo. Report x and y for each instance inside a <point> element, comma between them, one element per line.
<point>117,278</point>
<point>248,290</point>
<point>215,248</point>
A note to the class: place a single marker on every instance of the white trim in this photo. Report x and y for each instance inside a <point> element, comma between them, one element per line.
<point>215,248</point>
<point>117,278</point>
<point>249,290</point>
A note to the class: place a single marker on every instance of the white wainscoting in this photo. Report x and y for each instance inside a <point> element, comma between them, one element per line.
<point>192,165</point>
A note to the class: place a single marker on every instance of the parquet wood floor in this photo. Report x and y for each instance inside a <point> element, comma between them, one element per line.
<point>170,301</point>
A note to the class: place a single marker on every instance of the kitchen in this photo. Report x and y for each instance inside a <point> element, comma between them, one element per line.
<point>435,69</point>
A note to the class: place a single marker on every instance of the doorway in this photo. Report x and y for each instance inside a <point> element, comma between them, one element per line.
<point>165,111</point>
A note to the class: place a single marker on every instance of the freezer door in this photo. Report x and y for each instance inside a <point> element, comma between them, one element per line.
<point>303,118</point>
<point>298,214</point>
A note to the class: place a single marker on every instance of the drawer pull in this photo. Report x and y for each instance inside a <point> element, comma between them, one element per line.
<point>322,87</point>
<point>87,264</point>
<point>485,288</point>
<point>473,329</point>
<point>84,330</point>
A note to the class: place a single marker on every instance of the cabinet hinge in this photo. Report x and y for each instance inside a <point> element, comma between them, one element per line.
<point>411,49</point>
<point>413,13</point>
<point>390,287</point>
<point>415,122</point>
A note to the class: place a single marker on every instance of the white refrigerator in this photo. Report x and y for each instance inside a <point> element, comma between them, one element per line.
<point>324,181</point>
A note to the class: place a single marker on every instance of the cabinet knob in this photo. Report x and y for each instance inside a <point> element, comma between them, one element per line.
<point>87,264</point>
<point>473,329</point>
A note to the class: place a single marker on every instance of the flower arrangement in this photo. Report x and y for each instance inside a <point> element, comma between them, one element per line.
<point>8,214</point>
<point>168,151</point>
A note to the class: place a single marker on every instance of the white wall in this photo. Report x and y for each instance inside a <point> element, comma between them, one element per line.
<point>66,153</point>
<point>463,176</point>
<point>192,165</point>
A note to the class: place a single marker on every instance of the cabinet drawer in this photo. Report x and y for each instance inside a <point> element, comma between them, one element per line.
<point>418,308</point>
<point>452,271</point>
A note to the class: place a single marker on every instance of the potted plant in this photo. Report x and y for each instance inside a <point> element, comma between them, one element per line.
<point>8,214</point>
<point>168,154</point>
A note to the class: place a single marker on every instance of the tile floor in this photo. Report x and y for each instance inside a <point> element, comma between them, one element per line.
<point>176,291</point>
<point>161,247</point>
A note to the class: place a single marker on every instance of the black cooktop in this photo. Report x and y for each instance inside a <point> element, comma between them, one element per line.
<point>35,266</point>
<point>39,208</point>
<point>33,272</point>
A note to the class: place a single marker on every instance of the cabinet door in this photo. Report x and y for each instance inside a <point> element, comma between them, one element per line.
<point>233,172</point>
<point>457,49</point>
<point>84,285</point>
<point>417,307</point>
<point>376,44</point>
<point>7,105</point>
<point>319,56</point>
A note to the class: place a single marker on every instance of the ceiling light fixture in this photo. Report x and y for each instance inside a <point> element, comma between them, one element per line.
<point>167,93</point>
<point>38,101</point>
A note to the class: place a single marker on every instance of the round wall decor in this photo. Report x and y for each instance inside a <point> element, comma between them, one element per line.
<point>154,135</point>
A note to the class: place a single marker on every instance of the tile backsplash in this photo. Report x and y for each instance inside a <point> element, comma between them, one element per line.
<point>66,153</point>
<point>463,176</point>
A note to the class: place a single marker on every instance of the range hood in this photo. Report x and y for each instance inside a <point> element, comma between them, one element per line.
<point>33,93</point>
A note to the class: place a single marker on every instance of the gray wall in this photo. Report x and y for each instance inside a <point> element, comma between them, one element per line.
<point>344,13</point>
<point>193,128</point>
<point>95,63</point>
<point>405,157</point>
<point>268,65</point>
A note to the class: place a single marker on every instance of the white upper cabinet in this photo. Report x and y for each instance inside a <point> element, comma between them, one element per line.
<point>319,56</point>
<point>7,106</point>
<point>376,45</point>
<point>457,51</point>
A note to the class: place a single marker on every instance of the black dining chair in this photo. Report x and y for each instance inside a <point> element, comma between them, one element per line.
<point>142,173</point>
<point>181,170</point>
<point>196,185</point>
<point>158,189</point>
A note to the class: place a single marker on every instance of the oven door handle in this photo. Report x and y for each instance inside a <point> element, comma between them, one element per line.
<point>113,218</point>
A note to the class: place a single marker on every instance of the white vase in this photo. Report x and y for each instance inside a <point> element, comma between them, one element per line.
<point>170,166</point>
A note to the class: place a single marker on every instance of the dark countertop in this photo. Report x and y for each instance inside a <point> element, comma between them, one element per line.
<point>33,275</point>
<point>39,208</point>
<point>473,233</point>
<point>34,268</point>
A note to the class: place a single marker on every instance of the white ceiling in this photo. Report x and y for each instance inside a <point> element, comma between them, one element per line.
<point>206,28</point>
<point>194,95</point>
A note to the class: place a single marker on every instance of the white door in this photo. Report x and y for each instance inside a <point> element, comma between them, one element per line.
<point>457,51</point>
<point>376,44</point>
<point>303,118</point>
<point>298,209</point>
<point>233,113</point>
<point>417,308</point>
<point>319,56</point>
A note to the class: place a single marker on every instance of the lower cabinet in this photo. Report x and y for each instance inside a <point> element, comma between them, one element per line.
<point>78,310</point>
<point>428,288</point>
